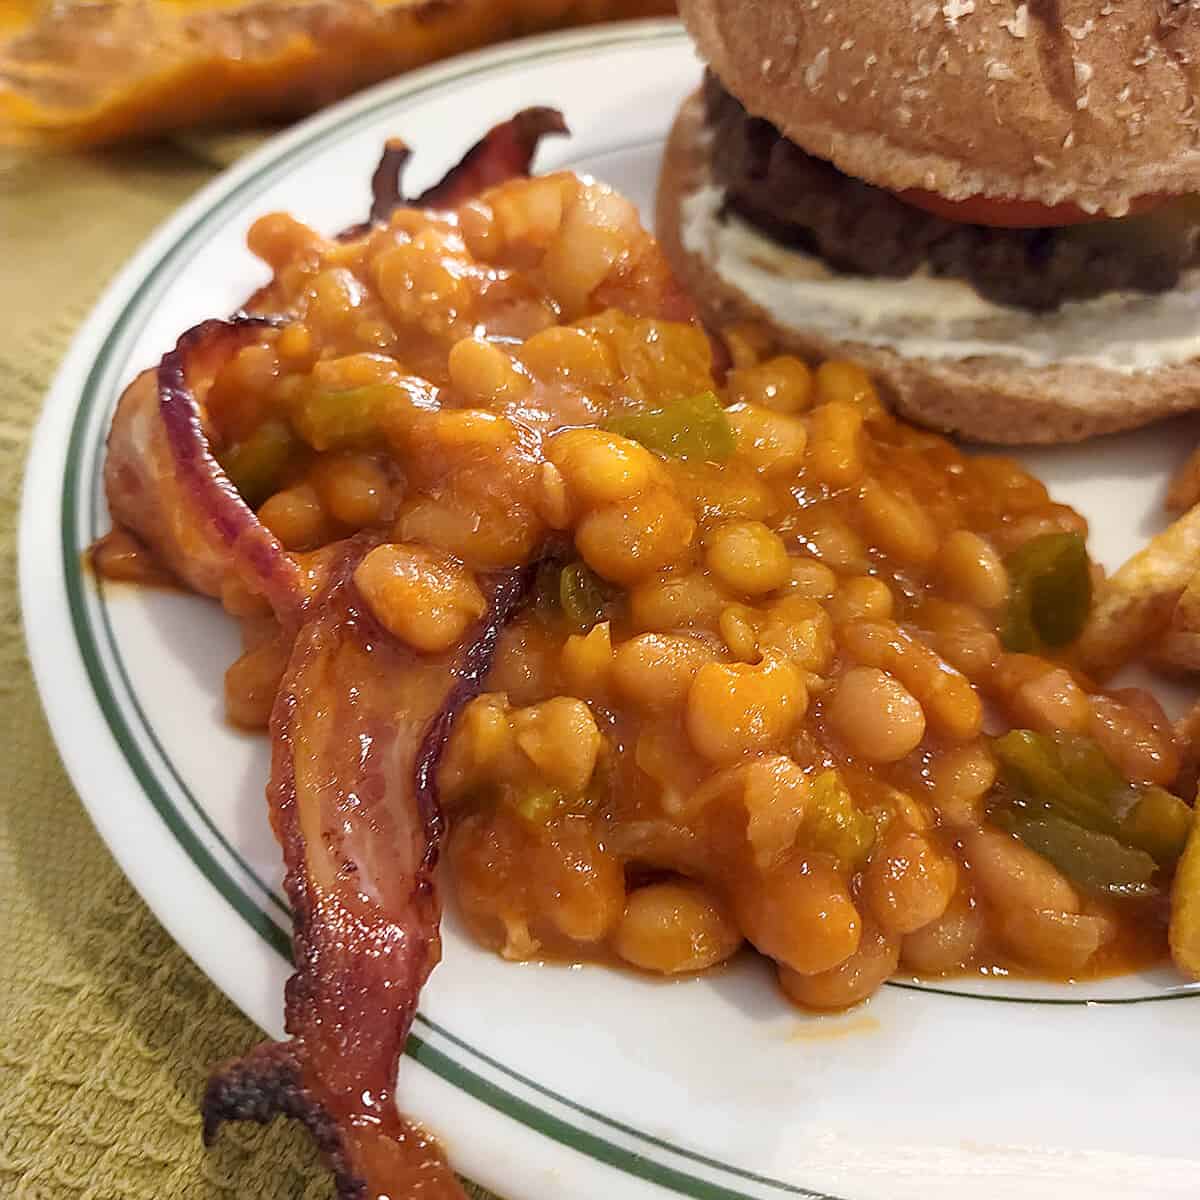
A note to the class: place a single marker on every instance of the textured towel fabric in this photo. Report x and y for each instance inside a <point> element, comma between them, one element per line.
<point>106,1028</point>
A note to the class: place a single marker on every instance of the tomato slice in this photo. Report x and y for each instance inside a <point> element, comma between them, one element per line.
<point>1014,214</point>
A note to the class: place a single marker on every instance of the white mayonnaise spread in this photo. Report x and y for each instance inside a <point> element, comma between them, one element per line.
<point>924,317</point>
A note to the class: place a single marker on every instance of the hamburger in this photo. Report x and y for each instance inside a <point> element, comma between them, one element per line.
<point>993,206</point>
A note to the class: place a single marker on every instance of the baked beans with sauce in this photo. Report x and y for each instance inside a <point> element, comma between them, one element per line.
<point>758,696</point>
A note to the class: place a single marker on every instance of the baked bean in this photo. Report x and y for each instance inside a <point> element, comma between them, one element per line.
<point>295,345</point>
<point>963,638</point>
<point>783,384</point>
<point>664,755</point>
<point>580,257</point>
<point>736,708</point>
<point>738,626</point>
<point>252,682</point>
<point>947,944</point>
<point>947,698</point>
<point>528,660</point>
<point>835,450</point>
<point>420,289</point>
<point>861,598</point>
<point>845,383</point>
<point>802,630</point>
<point>528,219</point>
<point>425,599</point>
<point>908,883</point>
<point>577,884</point>
<point>673,927</point>
<point>629,542</point>
<point>849,982</point>
<point>279,239</point>
<point>1062,941</point>
<point>800,914</point>
<point>1050,701</point>
<point>495,537</point>
<point>484,374</point>
<point>336,299</point>
<point>598,467</point>
<point>481,232</point>
<point>1141,753</point>
<point>473,430</point>
<point>811,579</point>
<point>972,570</point>
<point>676,602</point>
<point>354,488</point>
<point>835,544</point>
<point>771,442</point>
<point>296,517</point>
<point>875,715</point>
<point>961,777</point>
<point>898,525</point>
<point>725,492</point>
<point>253,369</point>
<point>489,855</point>
<point>1013,877</point>
<point>587,659</point>
<point>561,739</point>
<point>746,557</point>
<point>574,355</point>
<point>480,749</point>
<point>656,669</point>
<point>349,371</point>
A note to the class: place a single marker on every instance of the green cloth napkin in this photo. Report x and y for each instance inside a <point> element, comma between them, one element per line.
<point>107,1030</point>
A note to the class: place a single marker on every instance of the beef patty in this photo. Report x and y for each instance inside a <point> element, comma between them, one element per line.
<point>859,229</point>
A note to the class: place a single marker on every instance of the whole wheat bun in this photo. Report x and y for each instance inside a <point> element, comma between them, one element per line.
<point>988,398</point>
<point>1088,101</point>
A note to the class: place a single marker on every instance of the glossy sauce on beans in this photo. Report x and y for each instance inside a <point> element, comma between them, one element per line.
<point>750,701</point>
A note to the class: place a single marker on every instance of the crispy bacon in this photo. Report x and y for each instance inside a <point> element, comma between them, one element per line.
<point>358,728</point>
<point>504,152</point>
<point>165,486</point>
<point>387,181</point>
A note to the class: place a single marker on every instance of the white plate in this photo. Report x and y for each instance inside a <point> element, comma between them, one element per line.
<point>547,1082</point>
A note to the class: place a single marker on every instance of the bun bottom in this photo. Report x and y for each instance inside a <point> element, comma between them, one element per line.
<point>985,398</point>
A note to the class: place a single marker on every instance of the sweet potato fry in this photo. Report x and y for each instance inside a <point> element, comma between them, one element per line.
<point>79,74</point>
<point>1179,649</point>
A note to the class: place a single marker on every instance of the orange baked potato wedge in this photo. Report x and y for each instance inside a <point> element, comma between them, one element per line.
<point>79,74</point>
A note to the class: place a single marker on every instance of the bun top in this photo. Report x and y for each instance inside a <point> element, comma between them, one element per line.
<point>1088,101</point>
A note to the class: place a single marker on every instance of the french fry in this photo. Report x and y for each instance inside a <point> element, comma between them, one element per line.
<point>1184,931</point>
<point>1179,649</point>
<point>1184,490</point>
<point>1134,606</point>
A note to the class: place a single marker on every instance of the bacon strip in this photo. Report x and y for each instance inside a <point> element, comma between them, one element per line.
<point>165,486</point>
<point>359,727</point>
<point>504,152</point>
<point>386,182</point>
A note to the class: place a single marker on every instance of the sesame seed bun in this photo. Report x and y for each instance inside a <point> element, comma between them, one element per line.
<point>986,398</point>
<point>1087,101</point>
